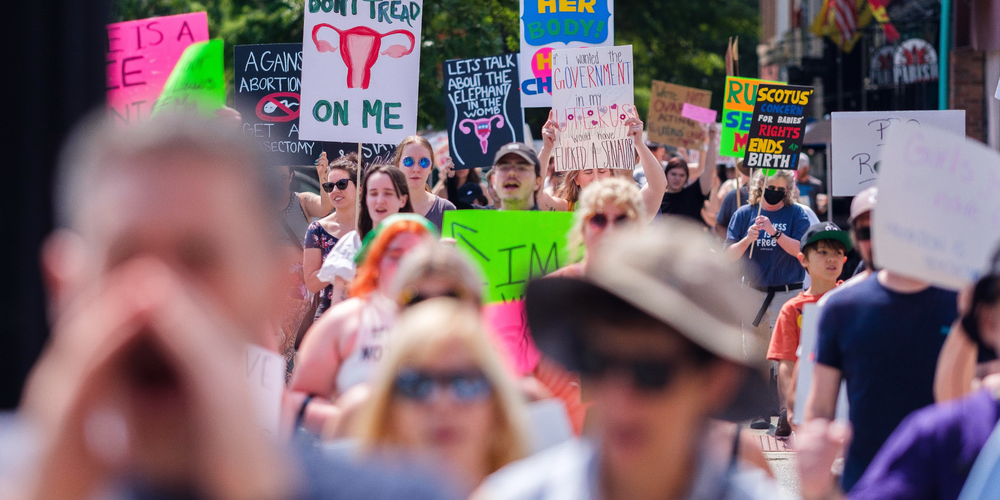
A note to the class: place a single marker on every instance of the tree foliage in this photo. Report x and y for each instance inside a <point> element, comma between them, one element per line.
<point>682,42</point>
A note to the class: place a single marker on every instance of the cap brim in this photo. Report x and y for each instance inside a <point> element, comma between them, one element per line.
<point>841,236</point>
<point>519,154</point>
<point>560,309</point>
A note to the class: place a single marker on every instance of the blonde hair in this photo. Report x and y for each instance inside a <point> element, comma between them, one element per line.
<point>419,336</point>
<point>599,194</point>
<point>569,190</point>
<point>759,179</point>
<point>436,260</point>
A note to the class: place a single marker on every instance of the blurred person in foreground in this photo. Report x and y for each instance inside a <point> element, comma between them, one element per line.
<point>142,391</point>
<point>444,395</point>
<point>654,329</point>
<point>931,453</point>
<point>343,347</point>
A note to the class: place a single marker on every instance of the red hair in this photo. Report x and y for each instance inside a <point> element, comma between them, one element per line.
<point>366,279</point>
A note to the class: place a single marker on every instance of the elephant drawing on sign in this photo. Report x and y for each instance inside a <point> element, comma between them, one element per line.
<point>483,128</point>
<point>359,48</point>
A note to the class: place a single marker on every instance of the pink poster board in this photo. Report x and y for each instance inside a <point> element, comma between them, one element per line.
<point>698,113</point>
<point>140,56</point>
<point>510,330</point>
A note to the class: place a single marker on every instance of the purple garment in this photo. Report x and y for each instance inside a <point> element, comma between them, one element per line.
<point>930,454</point>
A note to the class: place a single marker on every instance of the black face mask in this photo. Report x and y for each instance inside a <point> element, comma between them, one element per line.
<point>773,196</point>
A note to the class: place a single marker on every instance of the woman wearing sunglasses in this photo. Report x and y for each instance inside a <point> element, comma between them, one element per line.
<point>605,206</point>
<point>321,236</point>
<point>415,157</point>
<point>342,347</point>
<point>383,193</point>
<point>443,394</point>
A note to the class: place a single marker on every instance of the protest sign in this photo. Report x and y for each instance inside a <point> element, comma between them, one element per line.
<point>698,113</point>
<point>777,127</point>
<point>592,97</point>
<point>198,82</point>
<point>360,71</point>
<point>265,373</point>
<point>859,137</point>
<point>483,111</point>
<point>737,113</point>
<point>548,25</point>
<point>665,123</point>
<point>510,326</point>
<point>809,334</point>
<point>510,247</point>
<point>268,82</point>
<point>937,206</point>
<point>140,56</point>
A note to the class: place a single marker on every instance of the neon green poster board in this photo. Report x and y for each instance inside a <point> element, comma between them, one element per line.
<point>511,248</point>
<point>737,114</point>
<point>197,83</point>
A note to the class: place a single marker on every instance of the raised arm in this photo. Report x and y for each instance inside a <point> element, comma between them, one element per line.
<point>549,130</point>
<point>318,205</point>
<point>708,158</point>
<point>656,179</point>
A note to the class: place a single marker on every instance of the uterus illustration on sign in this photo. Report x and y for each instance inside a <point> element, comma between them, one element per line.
<point>483,127</point>
<point>359,48</point>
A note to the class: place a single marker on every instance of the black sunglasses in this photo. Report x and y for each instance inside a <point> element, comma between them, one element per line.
<point>341,185</point>
<point>461,386</point>
<point>863,233</point>
<point>778,189</point>
<point>647,375</point>
<point>410,297</point>
<point>600,221</point>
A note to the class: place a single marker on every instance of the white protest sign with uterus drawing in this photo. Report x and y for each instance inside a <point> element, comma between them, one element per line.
<point>360,70</point>
<point>938,209</point>
<point>859,137</point>
<point>592,97</point>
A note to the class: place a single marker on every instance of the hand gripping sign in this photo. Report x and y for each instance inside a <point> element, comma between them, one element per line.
<point>350,93</point>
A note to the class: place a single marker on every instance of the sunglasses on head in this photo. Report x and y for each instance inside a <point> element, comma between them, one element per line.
<point>863,233</point>
<point>600,221</point>
<point>462,386</point>
<point>409,161</point>
<point>341,185</point>
<point>646,374</point>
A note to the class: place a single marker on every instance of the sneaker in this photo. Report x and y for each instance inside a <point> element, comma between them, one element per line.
<point>760,424</point>
<point>784,428</point>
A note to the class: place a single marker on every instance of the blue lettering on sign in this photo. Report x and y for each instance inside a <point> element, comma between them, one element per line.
<point>547,21</point>
<point>534,86</point>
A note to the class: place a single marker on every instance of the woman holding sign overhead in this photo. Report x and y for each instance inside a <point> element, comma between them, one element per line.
<point>415,157</point>
<point>686,199</point>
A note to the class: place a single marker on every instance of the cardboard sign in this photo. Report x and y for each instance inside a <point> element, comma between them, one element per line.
<point>737,114</point>
<point>548,25</point>
<point>265,373</point>
<point>141,54</point>
<point>483,111</point>
<point>937,206</point>
<point>360,70</point>
<point>859,138</point>
<point>198,82</point>
<point>510,247</point>
<point>778,127</point>
<point>592,97</point>
<point>666,124</point>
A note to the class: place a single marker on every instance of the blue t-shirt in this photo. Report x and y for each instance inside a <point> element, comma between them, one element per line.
<point>771,265</point>
<point>931,453</point>
<point>728,207</point>
<point>886,346</point>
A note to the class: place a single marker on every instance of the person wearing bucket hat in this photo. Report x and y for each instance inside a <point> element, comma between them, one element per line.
<point>861,228</point>
<point>654,329</point>
<point>824,247</point>
<point>343,347</point>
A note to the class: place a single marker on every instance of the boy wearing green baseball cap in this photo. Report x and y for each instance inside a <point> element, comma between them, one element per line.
<point>823,254</point>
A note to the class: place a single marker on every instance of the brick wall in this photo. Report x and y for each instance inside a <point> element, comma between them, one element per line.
<point>967,80</point>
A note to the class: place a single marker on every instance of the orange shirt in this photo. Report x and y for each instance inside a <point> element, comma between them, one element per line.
<point>788,328</point>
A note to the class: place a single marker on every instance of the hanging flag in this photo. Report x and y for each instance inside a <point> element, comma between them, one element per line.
<point>878,10</point>
<point>842,21</point>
